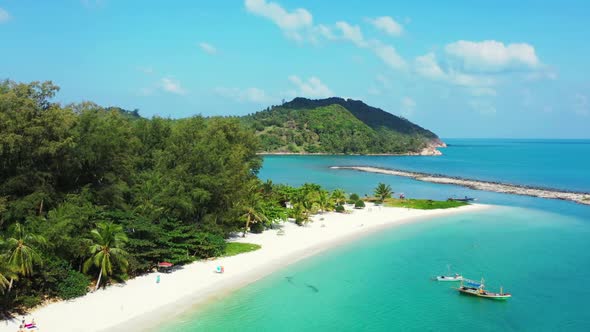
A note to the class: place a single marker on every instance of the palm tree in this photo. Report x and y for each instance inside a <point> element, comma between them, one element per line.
<point>7,272</point>
<point>22,255</point>
<point>253,214</point>
<point>267,188</point>
<point>106,249</point>
<point>21,252</point>
<point>300,213</point>
<point>339,197</point>
<point>324,201</point>
<point>383,191</point>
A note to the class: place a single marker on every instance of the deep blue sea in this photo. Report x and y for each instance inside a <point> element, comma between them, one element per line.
<point>537,249</point>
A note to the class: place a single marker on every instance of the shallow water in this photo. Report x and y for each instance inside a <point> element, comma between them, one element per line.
<point>537,249</point>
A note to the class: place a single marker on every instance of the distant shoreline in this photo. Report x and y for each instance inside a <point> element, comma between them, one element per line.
<point>421,153</point>
<point>499,187</point>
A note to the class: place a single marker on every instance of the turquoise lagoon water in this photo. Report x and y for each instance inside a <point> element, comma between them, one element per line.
<point>538,249</point>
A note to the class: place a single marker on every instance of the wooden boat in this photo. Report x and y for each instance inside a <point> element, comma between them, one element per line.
<point>475,288</point>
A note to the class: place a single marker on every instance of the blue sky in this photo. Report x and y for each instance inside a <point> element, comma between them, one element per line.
<point>460,68</point>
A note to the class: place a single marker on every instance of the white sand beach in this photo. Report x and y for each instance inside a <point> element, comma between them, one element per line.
<point>142,303</point>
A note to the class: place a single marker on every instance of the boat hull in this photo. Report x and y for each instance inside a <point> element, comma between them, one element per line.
<point>485,295</point>
<point>446,278</point>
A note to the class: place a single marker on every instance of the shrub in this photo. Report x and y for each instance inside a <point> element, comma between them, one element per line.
<point>300,220</point>
<point>359,204</point>
<point>74,285</point>
<point>354,197</point>
<point>208,245</point>
<point>293,148</point>
<point>257,228</point>
<point>29,301</point>
<point>339,208</point>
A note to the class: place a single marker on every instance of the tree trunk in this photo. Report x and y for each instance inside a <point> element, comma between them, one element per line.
<point>10,285</point>
<point>98,282</point>
<point>247,224</point>
<point>41,207</point>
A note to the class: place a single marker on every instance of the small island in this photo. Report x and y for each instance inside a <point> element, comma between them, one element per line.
<point>338,126</point>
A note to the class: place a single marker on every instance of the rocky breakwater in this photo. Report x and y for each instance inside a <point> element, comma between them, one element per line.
<point>578,197</point>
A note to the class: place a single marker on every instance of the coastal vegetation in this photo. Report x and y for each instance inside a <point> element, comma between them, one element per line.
<point>92,195</point>
<point>88,192</point>
<point>383,191</point>
<point>336,125</point>
<point>422,204</point>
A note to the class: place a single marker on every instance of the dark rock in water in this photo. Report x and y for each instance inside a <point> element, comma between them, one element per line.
<point>290,280</point>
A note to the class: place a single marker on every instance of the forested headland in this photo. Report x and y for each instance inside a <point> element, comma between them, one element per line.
<point>336,125</point>
<point>92,195</point>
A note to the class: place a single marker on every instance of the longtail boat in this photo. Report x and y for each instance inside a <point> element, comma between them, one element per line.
<point>471,287</point>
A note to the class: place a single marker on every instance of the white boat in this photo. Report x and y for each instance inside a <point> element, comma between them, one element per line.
<point>449,276</point>
<point>456,277</point>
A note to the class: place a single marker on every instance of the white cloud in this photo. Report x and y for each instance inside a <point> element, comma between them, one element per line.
<point>387,25</point>
<point>493,56</point>
<point>325,32</point>
<point>172,86</point>
<point>290,22</point>
<point>208,48</point>
<point>298,25</point>
<point>386,53</point>
<point>352,33</point>
<point>250,95</point>
<point>312,88</point>
<point>4,16</point>
<point>581,104</point>
<point>389,55</point>
<point>428,66</point>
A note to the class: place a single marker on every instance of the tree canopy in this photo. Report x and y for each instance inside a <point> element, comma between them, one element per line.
<point>175,188</point>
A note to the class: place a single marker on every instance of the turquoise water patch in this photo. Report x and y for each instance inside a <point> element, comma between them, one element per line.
<point>382,282</point>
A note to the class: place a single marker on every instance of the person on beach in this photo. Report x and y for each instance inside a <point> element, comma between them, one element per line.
<point>158,279</point>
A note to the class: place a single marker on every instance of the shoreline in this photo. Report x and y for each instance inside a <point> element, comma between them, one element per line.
<point>427,151</point>
<point>499,187</point>
<point>140,304</point>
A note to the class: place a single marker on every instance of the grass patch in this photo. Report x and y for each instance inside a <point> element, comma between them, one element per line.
<point>235,248</point>
<point>422,204</point>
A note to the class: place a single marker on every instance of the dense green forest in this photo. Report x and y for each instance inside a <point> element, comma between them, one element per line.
<point>92,195</point>
<point>336,125</point>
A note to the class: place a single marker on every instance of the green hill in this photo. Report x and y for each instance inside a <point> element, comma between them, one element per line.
<point>336,125</point>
